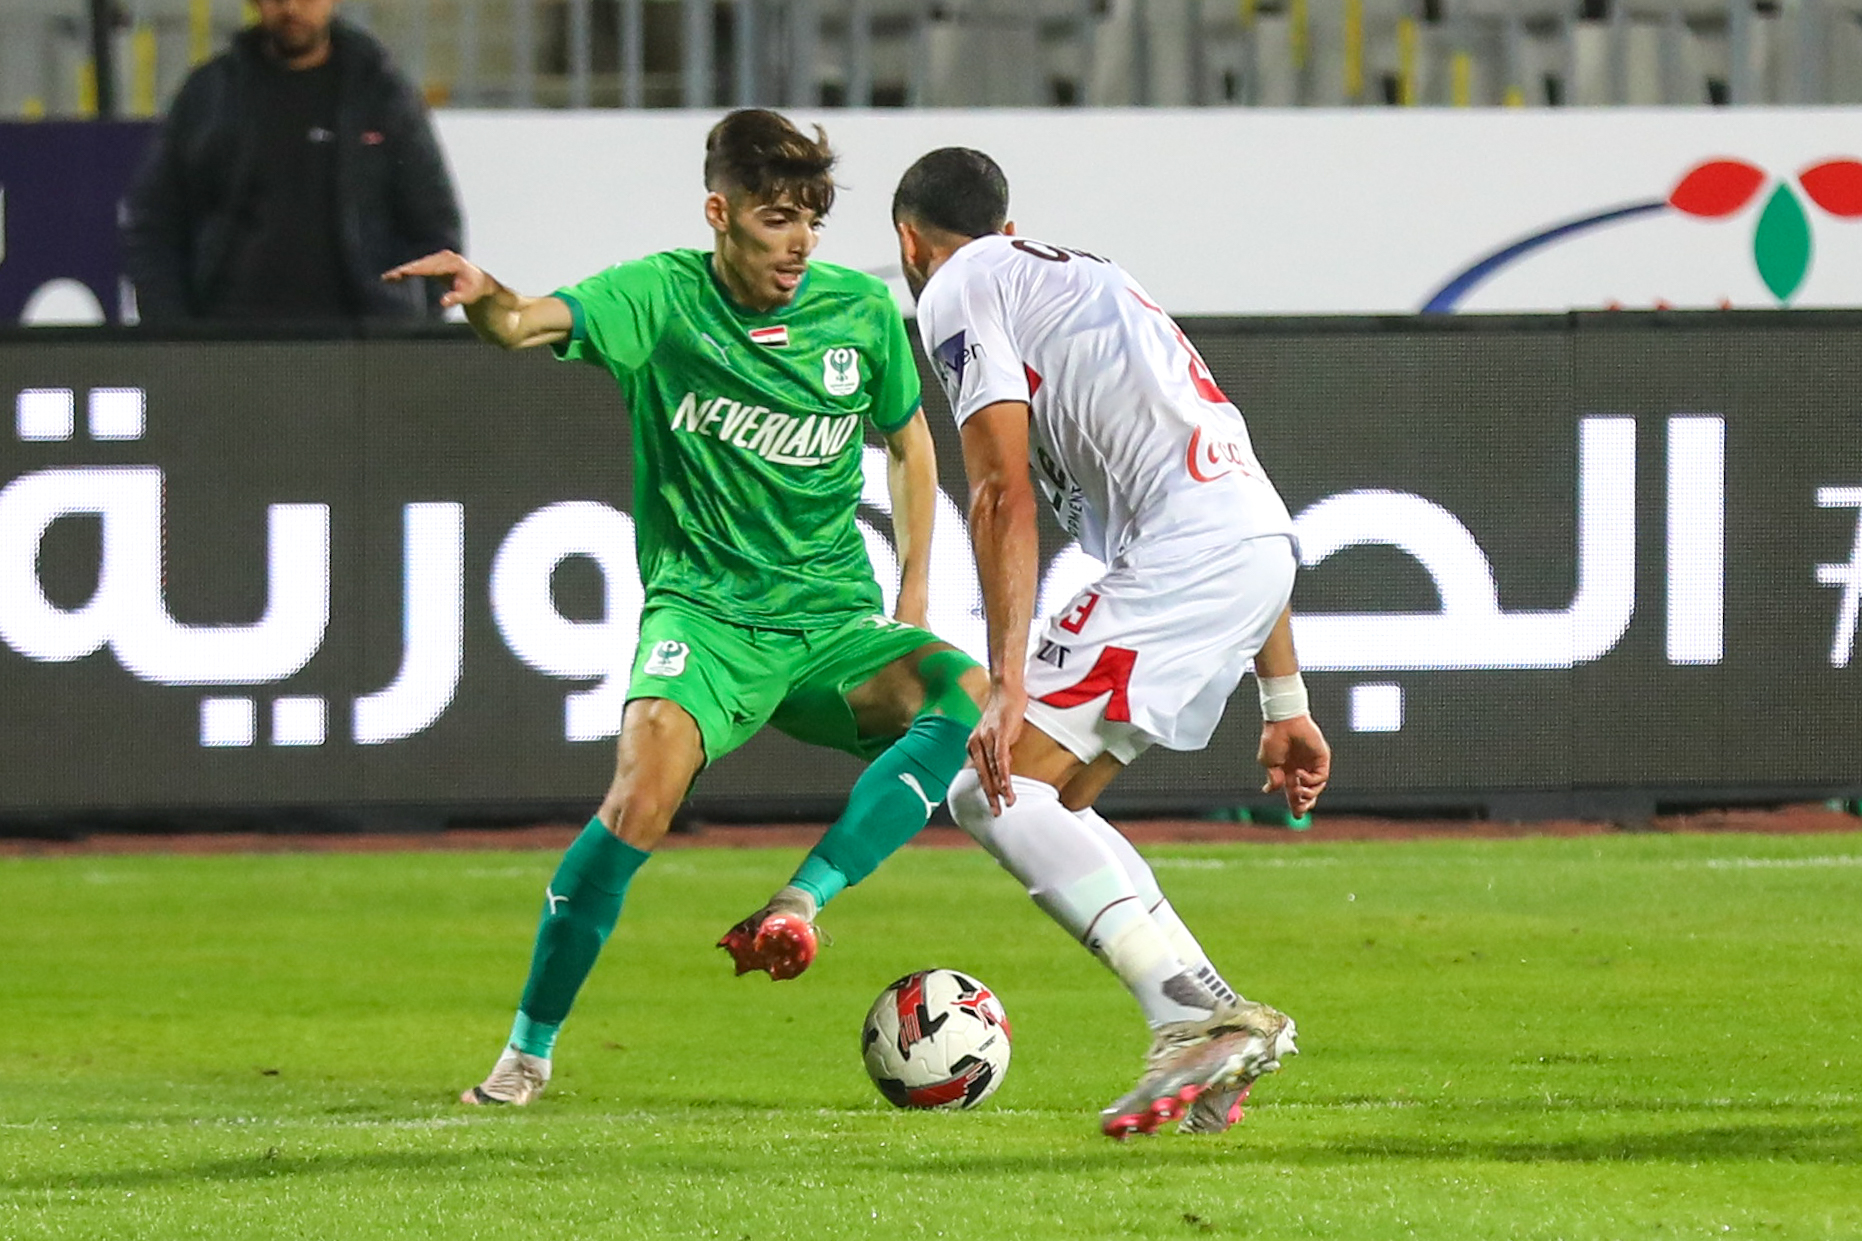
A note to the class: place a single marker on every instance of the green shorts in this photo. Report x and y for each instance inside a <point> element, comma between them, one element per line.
<point>733,679</point>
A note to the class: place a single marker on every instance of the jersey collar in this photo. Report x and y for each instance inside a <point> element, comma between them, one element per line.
<point>744,312</point>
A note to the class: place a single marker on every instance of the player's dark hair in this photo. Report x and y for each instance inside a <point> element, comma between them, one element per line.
<point>759,153</point>
<point>956,189</point>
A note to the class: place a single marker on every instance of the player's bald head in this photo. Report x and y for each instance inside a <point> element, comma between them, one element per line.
<point>954,190</point>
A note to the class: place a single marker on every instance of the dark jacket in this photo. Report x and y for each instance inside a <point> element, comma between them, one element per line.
<point>394,200</point>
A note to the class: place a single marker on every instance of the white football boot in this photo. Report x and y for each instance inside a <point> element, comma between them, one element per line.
<point>518,1078</point>
<point>1220,1055</point>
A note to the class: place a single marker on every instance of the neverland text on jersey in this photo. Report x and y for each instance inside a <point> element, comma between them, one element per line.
<point>772,435</point>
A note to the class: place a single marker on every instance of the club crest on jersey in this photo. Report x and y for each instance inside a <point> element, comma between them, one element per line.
<point>840,371</point>
<point>771,337</point>
<point>667,660</point>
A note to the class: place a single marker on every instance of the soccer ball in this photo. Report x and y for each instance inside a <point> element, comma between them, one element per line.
<point>936,1038</point>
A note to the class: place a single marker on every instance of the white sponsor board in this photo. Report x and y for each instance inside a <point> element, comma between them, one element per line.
<point>1255,212</point>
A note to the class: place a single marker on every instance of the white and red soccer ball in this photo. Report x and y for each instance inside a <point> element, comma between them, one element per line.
<point>936,1039</point>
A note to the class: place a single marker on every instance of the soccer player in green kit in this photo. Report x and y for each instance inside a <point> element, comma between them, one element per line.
<point>747,373</point>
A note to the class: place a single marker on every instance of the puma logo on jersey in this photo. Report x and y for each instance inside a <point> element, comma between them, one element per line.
<point>771,434</point>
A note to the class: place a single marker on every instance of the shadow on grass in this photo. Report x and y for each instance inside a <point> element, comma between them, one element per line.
<point>1557,1105</point>
<point>272,1166</point>
<point>1803,1143</point>
<point>1835,1144</point>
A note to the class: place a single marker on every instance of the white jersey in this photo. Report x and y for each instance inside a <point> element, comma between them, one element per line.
<point>1133,442</point>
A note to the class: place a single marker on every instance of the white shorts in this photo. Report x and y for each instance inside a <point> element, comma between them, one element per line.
<point>1149,654</point>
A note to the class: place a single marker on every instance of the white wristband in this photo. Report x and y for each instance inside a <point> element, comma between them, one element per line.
<point>1282,698</point>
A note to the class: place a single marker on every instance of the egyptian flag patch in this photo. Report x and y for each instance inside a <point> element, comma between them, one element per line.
<point>771,337</point>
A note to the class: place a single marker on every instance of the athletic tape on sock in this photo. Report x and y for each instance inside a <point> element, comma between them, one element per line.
<point>1079,881</point>
<point>1162,912</point>
<point>819,879</point>
<point>534,1038</point>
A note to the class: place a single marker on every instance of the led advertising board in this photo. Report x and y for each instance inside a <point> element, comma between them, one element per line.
<point>1545,558</point>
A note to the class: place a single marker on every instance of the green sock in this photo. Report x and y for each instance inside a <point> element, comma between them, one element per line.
<point>895,796</point>
<point>819,878</point>
<point>580,908</point>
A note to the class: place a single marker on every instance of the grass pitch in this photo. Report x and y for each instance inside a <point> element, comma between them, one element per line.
<point>1619,1037</point>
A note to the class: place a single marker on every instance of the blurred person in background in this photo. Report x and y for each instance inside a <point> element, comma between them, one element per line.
<point>291,169</point>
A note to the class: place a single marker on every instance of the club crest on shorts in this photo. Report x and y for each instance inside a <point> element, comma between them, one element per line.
<point>840,371</point>
<point>667,660</point>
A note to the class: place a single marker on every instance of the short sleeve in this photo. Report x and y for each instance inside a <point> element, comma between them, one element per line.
<point>899,396</point>
<point>965,329</point>
<point>617,315</point>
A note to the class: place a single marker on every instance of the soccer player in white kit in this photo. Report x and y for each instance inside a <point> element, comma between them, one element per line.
<point>1055,359</point>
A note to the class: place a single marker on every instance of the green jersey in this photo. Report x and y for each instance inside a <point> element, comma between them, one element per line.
<point>747,431</point>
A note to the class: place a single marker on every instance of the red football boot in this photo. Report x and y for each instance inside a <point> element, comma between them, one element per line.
<point>780,942</point>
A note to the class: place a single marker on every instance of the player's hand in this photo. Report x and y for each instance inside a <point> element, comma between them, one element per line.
<point>992,743</point>
<point>469,283</point>
<point>1297,759</point>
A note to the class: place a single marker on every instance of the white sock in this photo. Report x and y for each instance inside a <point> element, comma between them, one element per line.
<point>1162,912</point>
<point>1080,883</point>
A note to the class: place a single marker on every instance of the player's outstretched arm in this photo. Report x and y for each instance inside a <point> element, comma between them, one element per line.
<point>911,478</point>
<point>1002,530</point>
<point>1293,750</point>
<point>502,316</point>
